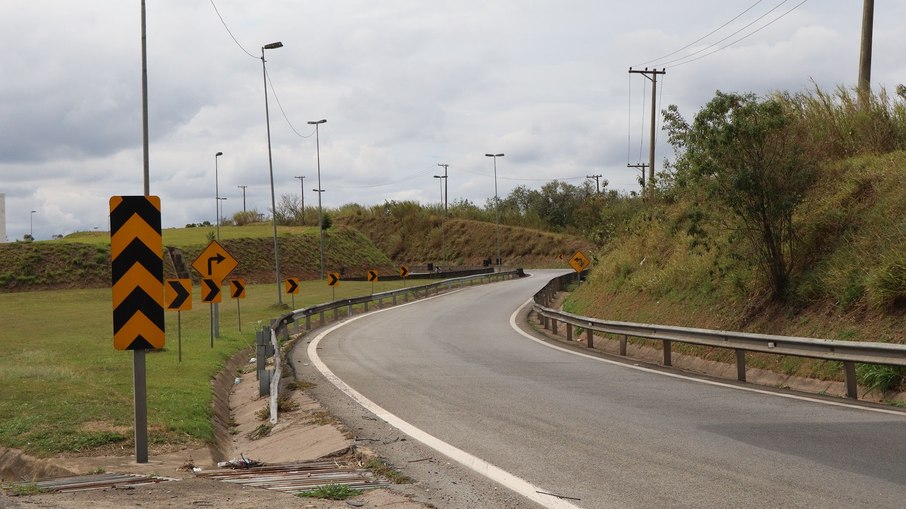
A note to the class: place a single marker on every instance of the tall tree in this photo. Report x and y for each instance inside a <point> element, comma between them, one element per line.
<point>743,152</point>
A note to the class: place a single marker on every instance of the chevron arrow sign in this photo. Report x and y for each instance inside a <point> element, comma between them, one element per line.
<point>179,294</point>
<point>237,288</point>
<point>137,268</point>
<point>210,291</point>
<point>333,278</point>
<point>292,285</point>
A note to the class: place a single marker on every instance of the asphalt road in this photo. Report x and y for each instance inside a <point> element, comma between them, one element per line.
<point>602,434</point>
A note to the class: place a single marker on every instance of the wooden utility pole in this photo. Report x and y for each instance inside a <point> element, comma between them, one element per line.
<point>597,181</point>
<point>651,75</point>
<point>640,166</point>
<point>868,15</point>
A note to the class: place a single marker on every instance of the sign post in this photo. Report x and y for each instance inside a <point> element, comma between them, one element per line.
<point>404,272</point>
<point>333,280</point>
<point>137,270</point>
<point>214,264</point>
<point>372,277</point>
<point>237,291</point>
<point>292,287</point>
<point>179,298</point>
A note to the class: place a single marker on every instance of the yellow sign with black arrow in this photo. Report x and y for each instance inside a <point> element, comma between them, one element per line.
<point>215,262</point>
<point>179,294</point>
<point>333,278</point>
<point>372,276</point>
<point>210,291</point>
<point>137,269</point>
<point>404,271</point>
<point>237,288</point>
<point>292,285</point>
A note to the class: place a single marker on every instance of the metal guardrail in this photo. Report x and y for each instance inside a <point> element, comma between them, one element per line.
<point>847,352</point>
<point>269,380</point>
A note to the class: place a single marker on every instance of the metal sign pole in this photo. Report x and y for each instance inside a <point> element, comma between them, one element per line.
<point>179,333</point>
<point>239,315</point>
<point>212,325</point>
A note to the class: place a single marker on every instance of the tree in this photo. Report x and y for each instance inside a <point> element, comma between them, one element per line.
<point>744,153</point>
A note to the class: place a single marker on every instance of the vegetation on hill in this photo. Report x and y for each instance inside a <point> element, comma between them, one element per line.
<point>814,180</point>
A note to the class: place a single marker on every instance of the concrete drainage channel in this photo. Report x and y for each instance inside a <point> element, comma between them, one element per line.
<point>288,478</point>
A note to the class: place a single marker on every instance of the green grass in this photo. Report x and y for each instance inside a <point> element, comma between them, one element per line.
<point>195,236</point>
<point>65,388</point>
<point>331,492</point>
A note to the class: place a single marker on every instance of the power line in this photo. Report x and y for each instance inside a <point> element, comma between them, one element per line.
<point>778,18</point>
<point>290,124</point>
<point>712,32</point>
<point>229,32</point>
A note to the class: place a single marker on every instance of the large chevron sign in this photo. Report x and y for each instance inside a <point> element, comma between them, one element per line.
<point>136,255</point>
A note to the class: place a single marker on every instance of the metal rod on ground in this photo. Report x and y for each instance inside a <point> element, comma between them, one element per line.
<point>179,332</point>
<point>238,315</point>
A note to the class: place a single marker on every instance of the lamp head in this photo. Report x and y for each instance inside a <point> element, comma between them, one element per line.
<point>273,45</point>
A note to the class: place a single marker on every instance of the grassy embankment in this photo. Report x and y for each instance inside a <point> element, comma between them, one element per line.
<point>666,265</point>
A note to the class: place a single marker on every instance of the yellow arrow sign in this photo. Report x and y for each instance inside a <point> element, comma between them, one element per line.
<point>372,275</point>
<point>292,285</point>
<point>404,271</point>
<point>237,288</point>
<point>210,291</point>
<point>333,278</point>
<point>215,262</point>
<point>179,294</point>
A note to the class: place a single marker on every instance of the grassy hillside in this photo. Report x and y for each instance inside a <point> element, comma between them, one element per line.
<point>416,237</point>
<point>848,281</point>
<point>83,260</point>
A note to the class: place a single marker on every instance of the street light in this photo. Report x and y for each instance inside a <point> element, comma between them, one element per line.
<point>317,123</point>
<point>243,196</point>
<point>442,179</point>
<point>270,163</point>
<point>217,193</point>
<point>496,205</point>
<point>31,225</point>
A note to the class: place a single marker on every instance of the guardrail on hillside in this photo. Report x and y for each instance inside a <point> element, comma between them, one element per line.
<point>270,381</point>
<point>847,352</point>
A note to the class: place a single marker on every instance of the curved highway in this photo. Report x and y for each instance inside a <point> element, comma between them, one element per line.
<point>459,377</point>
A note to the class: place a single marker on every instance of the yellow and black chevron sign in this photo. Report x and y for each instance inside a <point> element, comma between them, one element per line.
<point>137,266</point>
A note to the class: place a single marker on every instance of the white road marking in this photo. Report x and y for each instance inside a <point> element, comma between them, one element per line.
<point>516,327</point>
<point>476,464</point>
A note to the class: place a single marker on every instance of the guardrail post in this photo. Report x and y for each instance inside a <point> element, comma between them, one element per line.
<point>623,346</point>
<point>336,314</point>
<point>366,307</point>
<point>321,316</point>
<point>554,325</point>
<point>307,322</point>
<point>547,323</point>
<point>394,299</point>
<point>849,372</point>
<point>668,353</point>
<point>590,338</point>
<point>741,365</point>
<point>349,310</point>
<point>540,319</point>
<point>569,332</point>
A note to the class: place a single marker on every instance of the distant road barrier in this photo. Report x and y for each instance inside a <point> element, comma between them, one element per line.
<point>269,345</point>
<point>847,352</point>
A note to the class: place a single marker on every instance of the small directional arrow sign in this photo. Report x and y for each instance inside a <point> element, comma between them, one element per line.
<point>372,275</point>
<point>333,278</point>
<point>210,291</point>
<point>179,294</point>
<point>215,262</point>
<point>237,288</point>
<point>579,261</point>
<point>292,285</point>
<point>404,271</point>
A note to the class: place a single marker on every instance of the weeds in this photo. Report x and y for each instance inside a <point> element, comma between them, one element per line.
<point>331,492</point>
<point>380,468</point>
<point>880,378</point>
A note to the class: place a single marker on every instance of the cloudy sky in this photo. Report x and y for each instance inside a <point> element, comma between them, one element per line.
<point>404,85</point>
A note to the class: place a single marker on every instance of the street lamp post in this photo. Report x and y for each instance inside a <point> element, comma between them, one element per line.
<point>243,196</point>
<point>496,206</point>
<point>317,123</point>
<point>31,225</point>
<point>442,179</point>
<point>217,193</point>
<point>270,163</point>
<point>302,190</point>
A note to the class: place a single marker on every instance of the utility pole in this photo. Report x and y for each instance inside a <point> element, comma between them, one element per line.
<point>868,15</point>
<point>243,196</point>
<point>597,181</point>
<point>640,166</point>
<point>302,190</point>
<point>651,75</point>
